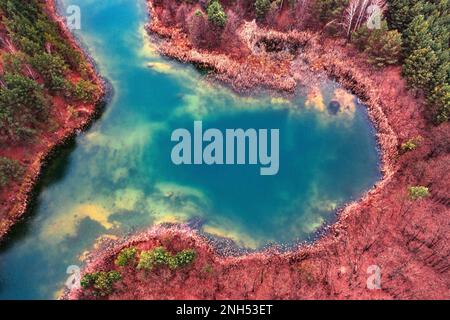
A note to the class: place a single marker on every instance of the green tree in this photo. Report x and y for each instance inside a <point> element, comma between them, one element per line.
<point>384,47</point>
<point>216,14</point>
<point>159,257</point>
<point>52,68</point>
<point>359,37</point>
<point>419,68</point>
<point>325,11</point>
<point>418,192</point>
<point>440,102</point>
<point>23,93</point>
<point>417,35</point>
<point>83,90</point>
<point>126,257</point>
<point>10,170</point>
<point>185,257</point>
<point>262,7</point>
<point>153,258</point>
<point>101,282</point>
<point>401,12</point>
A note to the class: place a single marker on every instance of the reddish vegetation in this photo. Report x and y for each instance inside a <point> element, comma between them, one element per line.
<point>407,239</point>
<point>14,199</point>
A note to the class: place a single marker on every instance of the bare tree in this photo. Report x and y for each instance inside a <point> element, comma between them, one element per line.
<point>350,13</point>
<point>362,13</point>
<point>358,12</point>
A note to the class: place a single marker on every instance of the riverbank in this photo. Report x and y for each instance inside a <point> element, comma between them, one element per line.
<point>15,199</point>
<point>406,239</point>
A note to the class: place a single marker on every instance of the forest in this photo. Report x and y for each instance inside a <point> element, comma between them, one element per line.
<point>38,65</point>
<point>414,34</point>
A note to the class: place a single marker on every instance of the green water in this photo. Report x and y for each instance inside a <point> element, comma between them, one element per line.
<point>118,177</point>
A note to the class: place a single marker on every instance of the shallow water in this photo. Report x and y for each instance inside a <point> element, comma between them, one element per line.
<point>118,177</point>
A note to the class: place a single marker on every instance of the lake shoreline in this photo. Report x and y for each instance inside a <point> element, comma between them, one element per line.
<point>371,231</point>
<point>20,197</point>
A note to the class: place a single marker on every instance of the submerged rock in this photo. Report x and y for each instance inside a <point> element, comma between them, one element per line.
<point>333,107</point>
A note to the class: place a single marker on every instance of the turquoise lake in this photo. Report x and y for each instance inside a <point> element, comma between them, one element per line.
<point>118,176</point>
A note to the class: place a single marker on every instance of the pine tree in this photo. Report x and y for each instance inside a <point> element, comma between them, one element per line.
<point>262,7</point>
<point>401,13</point>
<point>384,47</point>
<point>417,35</point>
<point>326,10</point>
<point>419,68</point>
<point>216,14</point>
<point>440,102</point>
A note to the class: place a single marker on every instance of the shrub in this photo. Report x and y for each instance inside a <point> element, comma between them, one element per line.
<point>262,7</point>
<point>418,192</point>
<point>440,100</point>
<point>52,68</point>
<point>153,258</point>
<point>161,257</point>
<point>83,90</point>
<point>306,272</point>
<point>216,14</point>
<point>10,170</point>
<point>208,269</point>
<point>101,282</point>
<point>185,257</point>
<point>382,46</point>
<point>126,256</point>
<point>410,144</point>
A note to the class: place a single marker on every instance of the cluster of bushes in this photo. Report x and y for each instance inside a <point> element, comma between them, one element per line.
<point>42,54</point>
<point>101,282</point>
<point>382,46</point>
<point>410,144</point>
<point>418,192</point>
<point>10,170</point>
<point>126,257</point>
<point>23,105</point>
<point>159,257</point>
<point>325,11</point>
<point>156,257</point>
